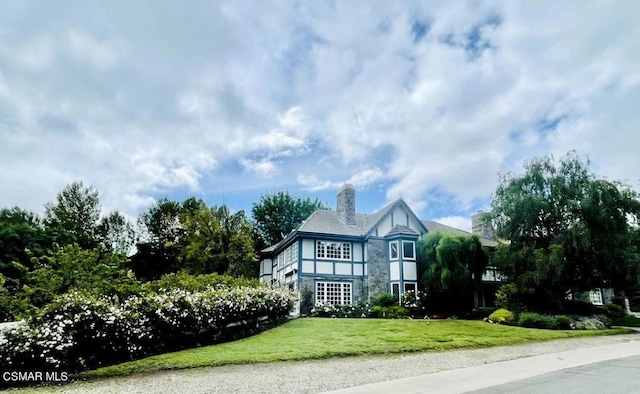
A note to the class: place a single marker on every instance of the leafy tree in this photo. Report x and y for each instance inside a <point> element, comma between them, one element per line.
<point>161,242</point>
<point>116,234</point>
<point>454,271</point>
<point>217,240</point>
<point>276,215</point>
<point>566,230</point>
<point>74,217</point>
<point>22,237</point>
<point>194,237</point>
<point>69,267</point>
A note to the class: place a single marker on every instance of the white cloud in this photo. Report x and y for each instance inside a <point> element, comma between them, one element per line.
<point>312,96</point>
<point>264,168</point>
<point>276,142</point>
<point>99,54</point>
<point>312,183</point>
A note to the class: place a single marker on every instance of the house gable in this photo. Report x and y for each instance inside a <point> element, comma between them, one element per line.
<point>398,213</point>
<point>333,253</point>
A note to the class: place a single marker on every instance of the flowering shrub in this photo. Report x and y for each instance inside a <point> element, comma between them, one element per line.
<point>591,323</point>
<point>414,303</point>
<point>359,309</point>
<point>80,331</point>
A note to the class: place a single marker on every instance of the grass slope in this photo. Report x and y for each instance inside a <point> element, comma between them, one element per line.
<point>315,338</point>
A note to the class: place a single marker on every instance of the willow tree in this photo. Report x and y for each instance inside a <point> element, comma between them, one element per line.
<point>455,265</point>
<point>566,228</point>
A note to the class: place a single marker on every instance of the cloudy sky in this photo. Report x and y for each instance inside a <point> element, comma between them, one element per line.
<point>227,100</point>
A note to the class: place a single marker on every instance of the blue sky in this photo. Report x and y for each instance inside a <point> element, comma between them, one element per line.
<point>227,100</point>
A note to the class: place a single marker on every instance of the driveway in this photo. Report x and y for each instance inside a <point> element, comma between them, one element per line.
<point>318,376</point>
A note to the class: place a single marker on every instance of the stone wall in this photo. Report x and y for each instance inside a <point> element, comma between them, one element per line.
<point>377,268</point>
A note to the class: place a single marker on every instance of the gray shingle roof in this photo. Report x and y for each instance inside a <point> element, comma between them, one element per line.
<point>397,230</point>
<point>435,227</point>
<point>326,222</point>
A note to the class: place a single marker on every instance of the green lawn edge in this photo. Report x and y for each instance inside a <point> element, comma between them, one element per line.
<point>318,338</point>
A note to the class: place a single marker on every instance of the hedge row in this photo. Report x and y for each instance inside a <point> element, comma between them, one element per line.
<point>81,331</point>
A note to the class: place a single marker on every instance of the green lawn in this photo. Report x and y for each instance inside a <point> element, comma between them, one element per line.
<point>314,338</point>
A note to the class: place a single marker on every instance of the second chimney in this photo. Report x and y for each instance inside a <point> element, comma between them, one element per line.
<point>346,204</point>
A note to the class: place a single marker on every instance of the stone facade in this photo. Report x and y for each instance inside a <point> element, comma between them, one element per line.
<point>378,268</point>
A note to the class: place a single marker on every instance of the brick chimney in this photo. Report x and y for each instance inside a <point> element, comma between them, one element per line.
<point>346,204</point>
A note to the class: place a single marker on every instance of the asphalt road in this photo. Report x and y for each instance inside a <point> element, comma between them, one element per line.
<point>620,376</point>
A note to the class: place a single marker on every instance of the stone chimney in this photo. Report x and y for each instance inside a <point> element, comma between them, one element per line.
<point>346,206</point>
<point>481,225</point>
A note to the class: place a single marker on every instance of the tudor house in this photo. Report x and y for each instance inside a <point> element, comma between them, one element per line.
<point>344,256</point>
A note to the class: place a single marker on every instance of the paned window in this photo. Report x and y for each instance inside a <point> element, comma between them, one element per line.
<point>408,250</point>
<point>410,287</point>
<point>393,250</point>
<point>336,293</point>
<point>395,289</point>
<point>596,297</point>
<point>333,250</point>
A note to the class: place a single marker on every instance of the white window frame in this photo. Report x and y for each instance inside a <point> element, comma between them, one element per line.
<point>397,257</point>
<point>413,248</point>
<point>333,250</point>
<point>414,284</point>
<point>395,289</point>
<point>336,293</point>
<point>595,296</point>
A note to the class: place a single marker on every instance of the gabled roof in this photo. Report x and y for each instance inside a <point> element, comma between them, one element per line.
<point>435,227</point>
<point>326,222</point>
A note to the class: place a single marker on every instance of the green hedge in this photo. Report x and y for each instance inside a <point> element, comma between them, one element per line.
<point>535,320</point>
<point>502,316</point>
<point>80,331</point>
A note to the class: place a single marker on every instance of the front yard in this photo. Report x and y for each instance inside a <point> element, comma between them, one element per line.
<point>315,338</point>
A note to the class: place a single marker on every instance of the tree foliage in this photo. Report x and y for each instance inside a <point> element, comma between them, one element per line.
<point>116,234</point>
<point>75,215</point>
<point>276,215</point>
<point>566,229</point>
<point>455,265</point>
<point>161,237</point>
<point>217,240</point>
<point>194,237</point>
<point>75,247</point>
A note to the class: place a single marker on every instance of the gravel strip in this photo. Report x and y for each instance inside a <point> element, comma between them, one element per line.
<point>323,375</point>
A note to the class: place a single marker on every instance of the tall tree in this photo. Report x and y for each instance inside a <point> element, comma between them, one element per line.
<point>455,265</point>
<point>74,217</point>
<point>567,229</point>
<point>161,240</point>
<point>276,215</point>
<point>116,234</point>
<point>217,240</point>
<point>22,238</point>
